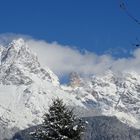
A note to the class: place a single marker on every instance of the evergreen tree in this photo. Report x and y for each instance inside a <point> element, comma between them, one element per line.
<point>60,124</point>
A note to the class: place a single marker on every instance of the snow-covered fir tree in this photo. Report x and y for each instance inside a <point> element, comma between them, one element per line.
<point>60,124</point>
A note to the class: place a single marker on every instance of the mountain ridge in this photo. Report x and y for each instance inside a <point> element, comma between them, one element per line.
<point>27,89</point>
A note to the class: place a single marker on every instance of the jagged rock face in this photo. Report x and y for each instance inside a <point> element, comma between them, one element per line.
<point>75,80</point>
<point>19,64</point>
<point>113,94</point>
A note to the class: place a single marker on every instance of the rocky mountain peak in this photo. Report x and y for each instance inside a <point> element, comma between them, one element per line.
<point>17,44</point>
<point>19,65</point>
<point>75,79</point>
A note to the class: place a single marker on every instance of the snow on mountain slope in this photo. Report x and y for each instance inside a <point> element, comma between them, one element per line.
<point>112,94</point>
<point>19,65</point>
<point>27,89</point>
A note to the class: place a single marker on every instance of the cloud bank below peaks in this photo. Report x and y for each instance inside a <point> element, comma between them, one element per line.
<point>64,59</point>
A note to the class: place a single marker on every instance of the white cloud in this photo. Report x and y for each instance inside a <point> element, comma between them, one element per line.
<point>65,59</point>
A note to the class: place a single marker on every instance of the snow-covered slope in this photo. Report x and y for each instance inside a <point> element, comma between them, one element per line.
<point>112,94</point>
<point>27,89</point>
<point>20,66</point>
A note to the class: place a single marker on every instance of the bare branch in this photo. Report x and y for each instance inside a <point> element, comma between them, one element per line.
<point>123,6</point>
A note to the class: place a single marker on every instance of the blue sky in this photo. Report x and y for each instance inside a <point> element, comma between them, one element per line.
<point>95,25</point>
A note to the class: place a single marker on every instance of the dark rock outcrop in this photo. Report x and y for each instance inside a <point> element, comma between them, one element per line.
<point>109,128</point>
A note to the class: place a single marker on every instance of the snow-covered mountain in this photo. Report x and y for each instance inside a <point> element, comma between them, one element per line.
<point>27,89</point>
<point>112,95</point>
